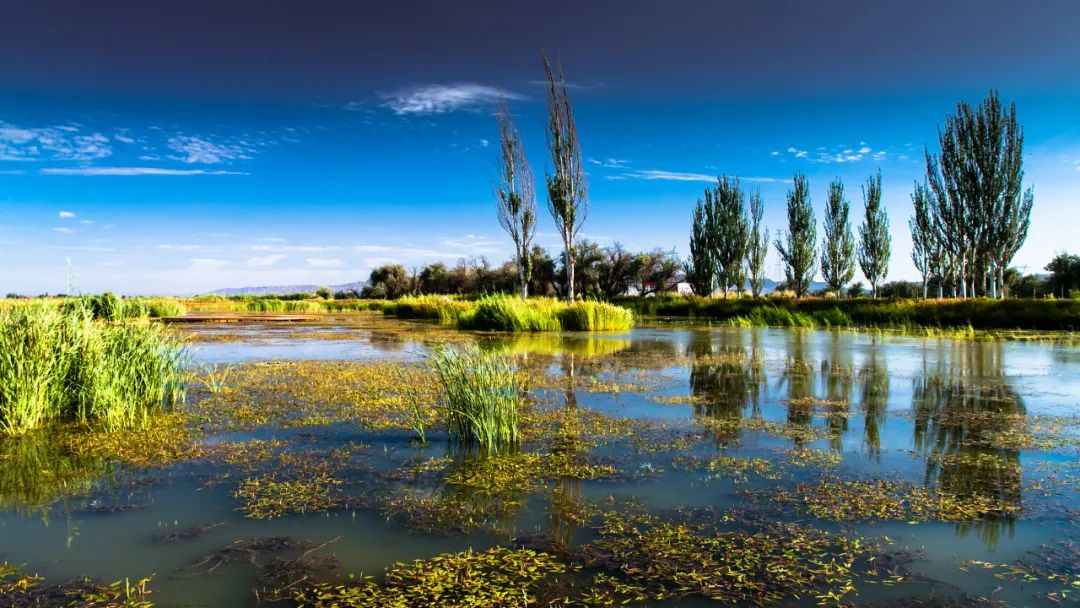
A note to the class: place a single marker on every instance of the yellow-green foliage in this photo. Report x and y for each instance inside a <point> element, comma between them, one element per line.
<point>58,363</point>
<point>481,395</point>
<point>272,305</point>
<point>510,313</point>
<point>778,310</point>
<point>495,578</point>
<point>441,308</point>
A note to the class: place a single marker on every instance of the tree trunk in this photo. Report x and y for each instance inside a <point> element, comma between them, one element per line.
<point>521,277</point>
<point>568,260</point>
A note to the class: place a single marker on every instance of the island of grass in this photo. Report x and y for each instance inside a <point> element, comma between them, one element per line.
<point>508,313</point>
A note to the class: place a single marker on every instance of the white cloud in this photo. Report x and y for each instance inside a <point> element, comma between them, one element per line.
<point>63,230</point>
<point>64,215</point>
<point>325,262</point>
<point>127,171</point>
<point>679,176</point>
<point>610,163</point>
<point>484,143</point>
<point>63,142</point>
<point>170,247</point>
<point>86,222</point>
<point>442,98</point>
<point>192,150</point>
<point>838,154</point>
<point>266,260</point>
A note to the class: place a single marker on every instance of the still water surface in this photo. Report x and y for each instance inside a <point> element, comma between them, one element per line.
<point>901,395</point>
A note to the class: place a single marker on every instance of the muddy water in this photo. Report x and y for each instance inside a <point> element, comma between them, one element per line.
<point>909,409</point>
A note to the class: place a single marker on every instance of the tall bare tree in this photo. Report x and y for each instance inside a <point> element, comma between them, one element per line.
<point>516,196</point>
<point>567,189</point>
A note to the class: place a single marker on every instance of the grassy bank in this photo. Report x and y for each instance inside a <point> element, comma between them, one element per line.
<point>58,363</point>
<point>1041,315</point>
<point>509,313</point>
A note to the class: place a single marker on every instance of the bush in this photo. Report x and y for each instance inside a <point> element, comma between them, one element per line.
<point>58,363</point>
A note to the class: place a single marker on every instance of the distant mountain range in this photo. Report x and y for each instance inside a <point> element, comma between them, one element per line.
<point>270,290</point>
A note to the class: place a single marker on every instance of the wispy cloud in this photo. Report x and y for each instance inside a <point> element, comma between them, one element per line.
<point>129,171</point>
<point>680,176</point>
<point>609,163</point>
<point>836,154</point>
<point>266,260</point>
<point>200,150</point>
<point>171,247</point>
<point>63,230</point>
<point>66,215</point>
<point>325,262</point>
<point>62,142</point>
<point>442,98</point>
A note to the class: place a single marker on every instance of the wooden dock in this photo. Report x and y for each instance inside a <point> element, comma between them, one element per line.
<point>232,317</point>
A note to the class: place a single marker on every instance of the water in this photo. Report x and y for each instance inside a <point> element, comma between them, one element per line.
<point>911,407</point>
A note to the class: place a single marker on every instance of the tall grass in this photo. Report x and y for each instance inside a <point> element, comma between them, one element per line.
<point>58,363</point>
<point>906,314</point>
<point>509,313</point>
<point>275,305</point>
<point>480,395</point>
<point>439,308</point>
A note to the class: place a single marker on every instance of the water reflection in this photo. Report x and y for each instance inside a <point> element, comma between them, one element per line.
<point>963,408</point>
<point>724,379</point>
<point>874,399</point>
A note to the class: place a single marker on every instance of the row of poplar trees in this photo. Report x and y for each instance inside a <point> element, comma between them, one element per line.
<point>971,216</point>
<point>728,243</point>
<point>567,189</point>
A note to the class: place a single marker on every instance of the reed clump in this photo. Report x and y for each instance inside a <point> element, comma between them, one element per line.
<point>57,363</point>
<point>509,313</point>
<point>480,395</point>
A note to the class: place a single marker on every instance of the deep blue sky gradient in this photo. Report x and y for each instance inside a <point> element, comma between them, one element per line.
<point>199,145</point>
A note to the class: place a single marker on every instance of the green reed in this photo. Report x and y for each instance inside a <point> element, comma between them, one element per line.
<point>57,363</point>
<point>480,395</point>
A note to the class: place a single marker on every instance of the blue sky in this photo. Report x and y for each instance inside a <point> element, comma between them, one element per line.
<point>179,149</point>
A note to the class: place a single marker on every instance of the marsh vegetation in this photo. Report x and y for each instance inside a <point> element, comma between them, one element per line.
<point>654,467</point>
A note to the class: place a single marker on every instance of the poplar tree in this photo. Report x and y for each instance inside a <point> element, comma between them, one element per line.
<point>979,206</point>
<point>874,240</point>
<point>730,233</point>
<point>758,245</point>
<point>838,248</point>
<point>566,185</point>
<point>701,267</point>
<point>516,196</point>
<point>925,245</point>
<point>798,247</point>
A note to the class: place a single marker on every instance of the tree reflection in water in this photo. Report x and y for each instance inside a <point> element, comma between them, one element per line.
<point>961,403</point>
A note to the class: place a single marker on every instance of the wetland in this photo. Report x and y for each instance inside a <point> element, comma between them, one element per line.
<point>313,464</point>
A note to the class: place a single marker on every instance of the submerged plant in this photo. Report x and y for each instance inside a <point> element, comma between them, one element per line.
<point>480,395</point>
